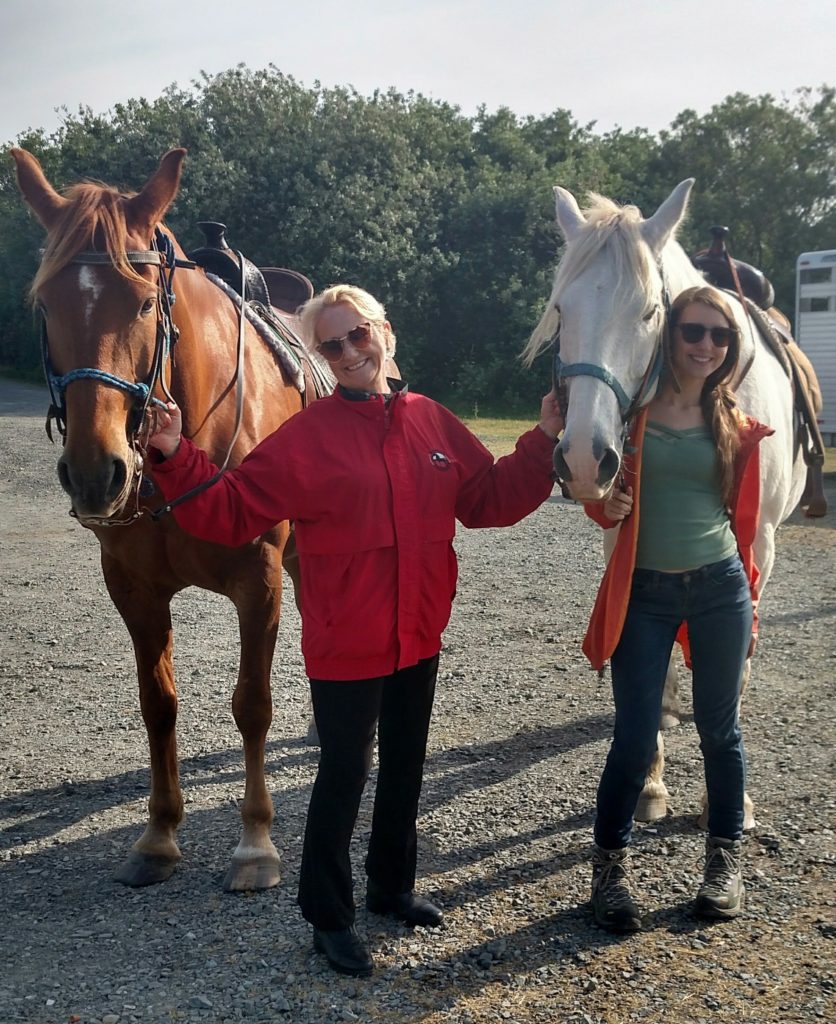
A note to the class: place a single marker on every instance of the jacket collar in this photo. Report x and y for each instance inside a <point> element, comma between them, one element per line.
<point>395,387</point>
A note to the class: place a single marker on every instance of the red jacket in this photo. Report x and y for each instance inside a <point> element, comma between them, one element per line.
<point>374,492</point>
<point>610,610</point>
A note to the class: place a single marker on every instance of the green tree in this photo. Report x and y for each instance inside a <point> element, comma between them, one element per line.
<point>765,169</point>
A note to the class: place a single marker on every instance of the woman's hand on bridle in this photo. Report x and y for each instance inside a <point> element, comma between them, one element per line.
<point>166,429</point>
<point>551,421</point>
<point>619,505</point>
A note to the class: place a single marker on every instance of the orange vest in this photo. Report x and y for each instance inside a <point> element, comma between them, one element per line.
<point>610,610</point>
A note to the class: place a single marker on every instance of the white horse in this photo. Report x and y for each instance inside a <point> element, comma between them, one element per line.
<point>611,288</point>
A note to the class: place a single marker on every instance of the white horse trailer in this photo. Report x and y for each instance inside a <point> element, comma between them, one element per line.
<point>815,327</point>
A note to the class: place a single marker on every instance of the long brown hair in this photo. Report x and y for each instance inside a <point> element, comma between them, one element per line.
<point>717,400</point>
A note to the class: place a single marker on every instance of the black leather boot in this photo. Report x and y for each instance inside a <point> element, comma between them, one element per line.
<point>345,951</point>
<point>405,906</point>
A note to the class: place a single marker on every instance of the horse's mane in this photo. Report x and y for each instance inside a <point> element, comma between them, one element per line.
<point>94,215</point>
<point>607,225</point>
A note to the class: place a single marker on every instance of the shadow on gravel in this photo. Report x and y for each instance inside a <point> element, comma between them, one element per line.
<point>43,812</point>
<point>484,764</point>
<point>47,811</point>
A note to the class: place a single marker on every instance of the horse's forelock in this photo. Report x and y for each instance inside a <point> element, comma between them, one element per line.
<point>94,214</point>
<point>607,225</point>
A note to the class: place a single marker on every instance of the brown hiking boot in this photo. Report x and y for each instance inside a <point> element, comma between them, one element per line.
<point>721,893</point>
<point>612,902</point>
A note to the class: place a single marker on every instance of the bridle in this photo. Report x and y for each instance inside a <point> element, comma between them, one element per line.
<point>163,256</point>
<point>628,406</point>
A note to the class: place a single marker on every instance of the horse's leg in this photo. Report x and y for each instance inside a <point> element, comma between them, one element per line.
<point>145,611</point>
<point>290,560</point>
<point>653,799</point>
<point>671,704</point>
<point>813,500</point>
<point>255,862</point>
<point>748,806</point>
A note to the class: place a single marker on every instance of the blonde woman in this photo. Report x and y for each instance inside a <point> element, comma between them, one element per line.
<point>374,478</point>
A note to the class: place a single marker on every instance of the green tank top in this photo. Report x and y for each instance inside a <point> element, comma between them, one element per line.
<point>683,523</point>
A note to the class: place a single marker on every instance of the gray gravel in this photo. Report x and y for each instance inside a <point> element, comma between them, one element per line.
<point>519,736</point>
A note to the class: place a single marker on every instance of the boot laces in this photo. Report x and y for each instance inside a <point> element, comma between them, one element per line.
<point>612,883</point>
<point>721,870</point>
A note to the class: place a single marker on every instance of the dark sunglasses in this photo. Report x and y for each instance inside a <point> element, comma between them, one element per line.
<point>694,333</point>
<point>359,336</point>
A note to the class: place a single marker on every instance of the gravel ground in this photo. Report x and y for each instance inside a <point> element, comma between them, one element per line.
<point>518,740</point>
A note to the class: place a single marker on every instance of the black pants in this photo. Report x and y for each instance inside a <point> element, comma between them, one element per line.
<point>346,714</point>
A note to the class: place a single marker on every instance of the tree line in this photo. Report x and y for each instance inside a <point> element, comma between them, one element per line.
<point>449,219</point>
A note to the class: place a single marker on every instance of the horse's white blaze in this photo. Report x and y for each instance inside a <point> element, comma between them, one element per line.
<point>91,289</point>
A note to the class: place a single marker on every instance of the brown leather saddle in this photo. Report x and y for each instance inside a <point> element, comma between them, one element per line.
<point>720,269</point>
<point>757,296</point>
<point>279,287</point>
<point>274,295</point>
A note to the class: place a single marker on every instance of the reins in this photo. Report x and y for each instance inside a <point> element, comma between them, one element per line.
<point>157,514</point>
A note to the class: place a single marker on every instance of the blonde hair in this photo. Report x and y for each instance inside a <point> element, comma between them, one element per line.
<point>717,400</point>
<point>348,294</point>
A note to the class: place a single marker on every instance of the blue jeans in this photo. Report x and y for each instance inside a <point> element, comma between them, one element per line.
<point>715,602</point>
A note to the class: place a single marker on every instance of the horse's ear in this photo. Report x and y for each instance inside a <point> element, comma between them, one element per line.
<point>657,229</point>
<point>570,220</point>
<point>40,196</point>
<point>150,205</point>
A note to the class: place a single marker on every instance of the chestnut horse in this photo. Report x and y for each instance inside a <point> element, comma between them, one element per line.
<point>114,343</point>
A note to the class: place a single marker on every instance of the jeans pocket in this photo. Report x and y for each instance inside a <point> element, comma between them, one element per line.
<point>727,572</point>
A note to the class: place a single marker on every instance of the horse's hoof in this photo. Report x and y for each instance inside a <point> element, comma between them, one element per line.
<point>142,869</point>
<point>669,721</point>
<point>651,808</point>
<point>816,509</point>
<point>312,735</point>
<point>262,873</point>
<point>749,822</point>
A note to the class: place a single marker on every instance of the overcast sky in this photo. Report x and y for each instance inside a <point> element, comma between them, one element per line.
<point>633,63</point>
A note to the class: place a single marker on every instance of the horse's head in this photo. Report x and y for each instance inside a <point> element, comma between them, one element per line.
<point>605,319</point>
<point>101,306</point>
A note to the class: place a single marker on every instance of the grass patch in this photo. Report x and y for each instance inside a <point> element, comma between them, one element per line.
<point>498,435</point>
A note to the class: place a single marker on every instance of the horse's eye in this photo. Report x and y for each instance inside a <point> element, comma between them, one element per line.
<point>649,316</point>
<point>146,307</point>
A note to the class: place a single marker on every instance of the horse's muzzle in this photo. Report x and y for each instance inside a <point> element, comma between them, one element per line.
<point>100,490</point>
<point>589,481</point>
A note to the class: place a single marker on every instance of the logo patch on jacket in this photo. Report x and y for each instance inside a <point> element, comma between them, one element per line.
<point>439,460</point>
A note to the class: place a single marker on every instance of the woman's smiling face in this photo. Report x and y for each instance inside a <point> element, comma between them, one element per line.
<point>698,360</point>
<point>359,369</point>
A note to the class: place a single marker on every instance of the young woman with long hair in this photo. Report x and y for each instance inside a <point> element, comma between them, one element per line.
<point>682,568</point>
